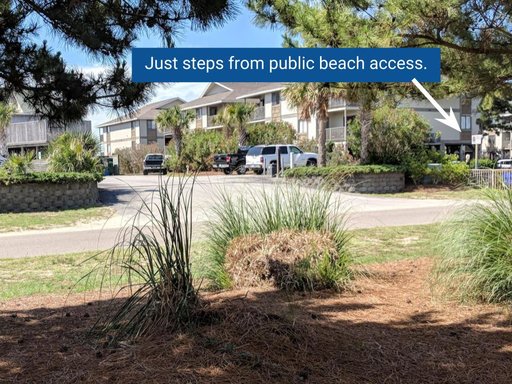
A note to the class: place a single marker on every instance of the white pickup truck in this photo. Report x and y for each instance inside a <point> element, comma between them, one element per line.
<point>261,156</point>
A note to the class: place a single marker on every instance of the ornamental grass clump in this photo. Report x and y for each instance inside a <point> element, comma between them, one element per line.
<point>287,259</point>
<point>153,253</point>
<point>476,251</point>
<point>285,214</point>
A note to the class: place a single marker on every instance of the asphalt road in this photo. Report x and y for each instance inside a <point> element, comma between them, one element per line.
<point>126,193</point>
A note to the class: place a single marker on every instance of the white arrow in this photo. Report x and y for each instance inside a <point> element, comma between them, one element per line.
<point>449,119</point>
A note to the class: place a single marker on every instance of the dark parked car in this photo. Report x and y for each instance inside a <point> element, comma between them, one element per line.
<point>154,162</point>
<point>232,161</point>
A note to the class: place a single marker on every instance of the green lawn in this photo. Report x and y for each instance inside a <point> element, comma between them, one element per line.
<point>439,193</point>
<point>44,220</point>
<point>62,274</point>
<point>378,245</point>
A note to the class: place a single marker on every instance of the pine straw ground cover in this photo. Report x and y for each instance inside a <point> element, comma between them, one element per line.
<point>287,259</point>
<point>386,330</point>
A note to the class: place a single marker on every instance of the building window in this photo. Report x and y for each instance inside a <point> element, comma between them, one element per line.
<point>261,103</point>
<point>465,122</point>
<point>151,125</point>
<point>303,126</point>
<point>276,98</point>
<point>199,113</point>
<point>212,111</point>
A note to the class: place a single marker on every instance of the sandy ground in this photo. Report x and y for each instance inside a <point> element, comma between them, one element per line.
<point>387,329</point>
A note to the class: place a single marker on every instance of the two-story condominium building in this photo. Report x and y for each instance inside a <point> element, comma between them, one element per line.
<point>272,106</point>
<point>27,131</point>
<point>137,128</point>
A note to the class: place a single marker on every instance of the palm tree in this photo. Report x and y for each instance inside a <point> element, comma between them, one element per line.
<point>177,120</point>
<point>237,115</point>
<point>6,111</point>
<point>313,99</point>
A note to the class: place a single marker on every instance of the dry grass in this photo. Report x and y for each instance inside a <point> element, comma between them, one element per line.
<point>278,259</point>
<point>387,330</point>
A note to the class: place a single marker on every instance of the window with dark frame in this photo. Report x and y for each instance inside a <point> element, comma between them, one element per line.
<point>276,98</point>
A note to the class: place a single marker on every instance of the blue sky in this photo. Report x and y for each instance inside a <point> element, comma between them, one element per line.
<point>240,32</point>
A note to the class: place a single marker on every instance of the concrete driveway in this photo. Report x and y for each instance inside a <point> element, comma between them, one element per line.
<point>125,194</point>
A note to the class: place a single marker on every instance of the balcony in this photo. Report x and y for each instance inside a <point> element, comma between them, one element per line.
<point>259,113</point>
<point>335,134</point>
<point>27,133</point>
<point>340,103</point>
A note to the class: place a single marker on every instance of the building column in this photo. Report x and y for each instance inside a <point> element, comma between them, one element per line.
<point>462,152</point>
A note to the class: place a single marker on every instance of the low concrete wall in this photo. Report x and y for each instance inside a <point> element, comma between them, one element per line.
<point>33,197</point>
<point>361,182</point>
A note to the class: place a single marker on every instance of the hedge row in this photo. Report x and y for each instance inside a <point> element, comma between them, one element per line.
<point>341,170</point>
<point>49,177</point>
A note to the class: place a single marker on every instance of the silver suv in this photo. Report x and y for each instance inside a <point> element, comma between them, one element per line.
<point>154,162</point>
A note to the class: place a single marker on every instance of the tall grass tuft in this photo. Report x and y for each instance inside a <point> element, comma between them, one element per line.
<point>476,251</point>
<point>285,206</point>
<point>153,253</point>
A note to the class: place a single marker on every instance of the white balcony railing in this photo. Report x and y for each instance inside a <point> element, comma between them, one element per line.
<point>340,103</point>
<point>335,134</point>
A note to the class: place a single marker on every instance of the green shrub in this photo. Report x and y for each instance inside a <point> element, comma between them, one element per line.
<point>49,177</point>
<point>18,164</point>
<point>283,208</point>
<point>340,171</point>
<point>483,163</point>
<point>270,133</point>
<point>395,133</point>
<point>199,146</point>
<point>74,152</point>
<point>451,173</point>
<point>476,252</point>
<point>131,161</point>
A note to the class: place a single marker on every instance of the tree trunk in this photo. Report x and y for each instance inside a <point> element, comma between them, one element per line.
<point>178,141</point>
<point>3,141</point>
<point>365,118</point>
<point>322,156</point>
<point>242,136</point>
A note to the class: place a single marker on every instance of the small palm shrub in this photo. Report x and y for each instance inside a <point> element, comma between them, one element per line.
<point>74,152</point>
<point>285,207</point>
<point>18,164</point>
<point>476,251</point>
<point>153,254</point>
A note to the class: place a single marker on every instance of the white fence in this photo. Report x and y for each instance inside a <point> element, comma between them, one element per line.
<point>492,178</point>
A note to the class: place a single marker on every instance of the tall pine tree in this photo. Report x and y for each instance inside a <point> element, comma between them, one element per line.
<point>105,29</point>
